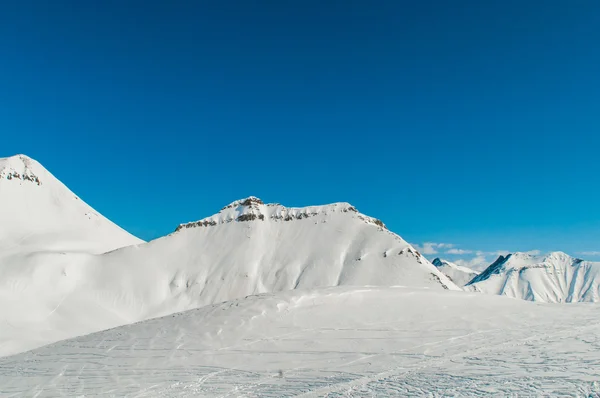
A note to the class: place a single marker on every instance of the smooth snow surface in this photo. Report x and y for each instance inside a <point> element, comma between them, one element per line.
<point>247,248</point>
<point>553,278</point>
<point>334,342</point>
<point>458,274</point>
<point>46,234</point>
<point>39,213</point>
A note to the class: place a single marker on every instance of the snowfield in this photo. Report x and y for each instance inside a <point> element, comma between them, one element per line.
<point>553,278</point>
<point>333,342</point>
<point>261,300</point>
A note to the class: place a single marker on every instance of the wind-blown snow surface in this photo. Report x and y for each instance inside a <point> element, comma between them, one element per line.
<point>553,278</point>
<point>39,213</point>
<point>335,342</point>
<point>247,248</point>
<point>458,274</point>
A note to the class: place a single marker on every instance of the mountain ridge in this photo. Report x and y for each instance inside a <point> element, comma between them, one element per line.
<point>554,277</point>
<point>253,208</point>
<point>459,274</point>
<point>52,289</point>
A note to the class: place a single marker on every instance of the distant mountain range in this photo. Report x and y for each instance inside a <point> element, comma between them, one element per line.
<point>555,278</point>
<point>459,274</point>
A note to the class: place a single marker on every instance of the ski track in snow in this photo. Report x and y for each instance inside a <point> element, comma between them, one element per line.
<point>62,274</point>
<point>336,342</point>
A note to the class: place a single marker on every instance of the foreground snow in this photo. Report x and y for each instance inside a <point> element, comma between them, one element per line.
<point>335,342</point>
<point>553,278</point>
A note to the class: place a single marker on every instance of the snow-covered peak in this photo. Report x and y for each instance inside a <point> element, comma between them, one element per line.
<point>38,212</point>
<point>552,277</point>
<point>21,168</point>
<point>250,201</point>
<point>519,261</point>
<point>254,209</point>
<point>438,262</point>
<point>457,273</point>
<point>16,160</point>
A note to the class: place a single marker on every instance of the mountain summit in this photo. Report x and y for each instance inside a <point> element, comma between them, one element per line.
<point>252,208</point>
<point>39,212</point>
<point>555,277</point>
<point>457,273</point>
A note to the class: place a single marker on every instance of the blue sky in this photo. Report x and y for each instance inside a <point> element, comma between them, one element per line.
<point>469,123</point>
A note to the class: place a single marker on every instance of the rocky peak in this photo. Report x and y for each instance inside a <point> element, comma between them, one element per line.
<point>19,168</point>
<point>251,201</point>
<point>254,209</point>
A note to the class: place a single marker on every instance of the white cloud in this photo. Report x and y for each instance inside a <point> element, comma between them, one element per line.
<point>482,259</point>
<point>479,260</point>
<point>534,252</point>
<point>478,263</point>
<point>459,251</point>
<point>506,252</point>
<point>428,248</point>
<point>589,253</point>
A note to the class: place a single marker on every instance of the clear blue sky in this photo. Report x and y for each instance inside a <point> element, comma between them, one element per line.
<point>469,122</point>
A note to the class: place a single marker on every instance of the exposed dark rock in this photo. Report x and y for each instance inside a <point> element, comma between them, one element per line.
<point>25,177</point>
<point>252,201</point>
<point>204,223</point>
<point>247,217</point>
<point>379,223</point>
<point>437,278</point>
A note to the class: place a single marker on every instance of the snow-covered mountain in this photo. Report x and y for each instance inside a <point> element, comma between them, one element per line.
<point>39,213</point>
<point>555,278</point>
<point>459,274</point>
<point>247,248</point>
<point>250,247</point>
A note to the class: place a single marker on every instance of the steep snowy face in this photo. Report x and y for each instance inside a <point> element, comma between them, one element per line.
<point>250,247</point>
<point>555,277</point>
<point>38,212</point>
<point>457,273</point>
<point>247,248</point>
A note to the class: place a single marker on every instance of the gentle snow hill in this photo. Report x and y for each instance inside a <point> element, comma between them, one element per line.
<point>332,342</point>
<point>458,274</point>
<point>39,213</point>
<point>553,278</point>
<point>247,248</point>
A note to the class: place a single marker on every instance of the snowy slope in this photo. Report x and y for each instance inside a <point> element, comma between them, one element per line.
<point>553,278</point>
<point>247,248</point>
<point>457,273</point>
<point>336,342</point>
<point>38,212</point>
